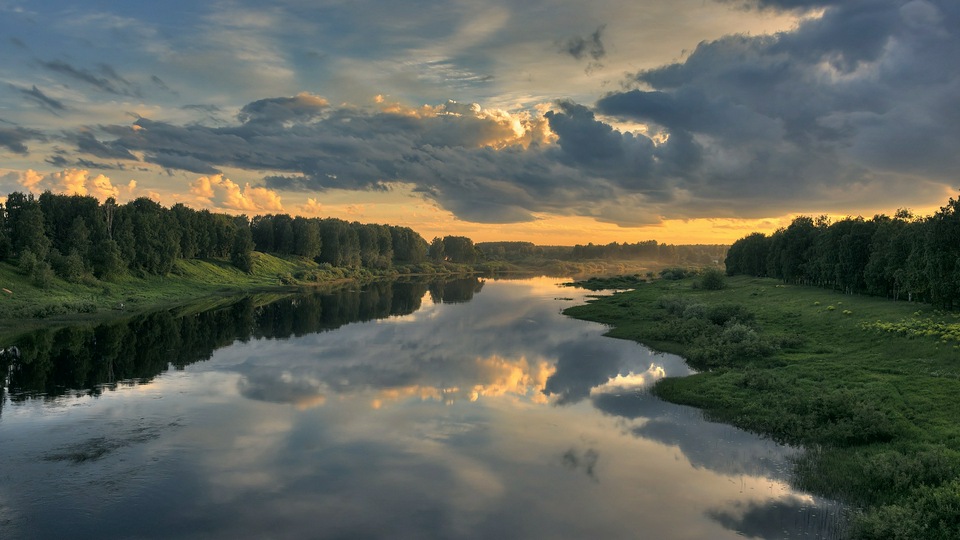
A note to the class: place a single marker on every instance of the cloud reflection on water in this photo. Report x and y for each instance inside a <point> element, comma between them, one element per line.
<point>493,418</point>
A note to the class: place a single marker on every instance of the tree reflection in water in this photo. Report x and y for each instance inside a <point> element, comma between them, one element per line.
<point>89,359</point>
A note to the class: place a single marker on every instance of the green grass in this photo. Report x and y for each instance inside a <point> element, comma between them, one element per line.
<point>26,306</point>
<point>872,385</point>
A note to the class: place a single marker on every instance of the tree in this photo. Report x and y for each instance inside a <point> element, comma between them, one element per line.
<point>437,251</point>
<point>28,232</point>
<point>241,253</point>
<point>106,260</point>
<point>306,237</point>
<point>459,249</point>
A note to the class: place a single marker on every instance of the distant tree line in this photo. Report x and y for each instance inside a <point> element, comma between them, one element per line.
<point>74,236</point>
<point>649,250</point>
<point>901,257</point>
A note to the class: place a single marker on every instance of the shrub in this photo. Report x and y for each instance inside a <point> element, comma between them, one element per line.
<point>724,313</point>
<point>43,275</point>
<point>713,279</point>
<point>673,274</point>
<point>27,263</point>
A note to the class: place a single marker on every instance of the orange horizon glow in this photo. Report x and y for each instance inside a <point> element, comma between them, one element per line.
<point>401,206</point>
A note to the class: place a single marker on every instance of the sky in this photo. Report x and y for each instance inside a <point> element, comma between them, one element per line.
<point>556,122</point>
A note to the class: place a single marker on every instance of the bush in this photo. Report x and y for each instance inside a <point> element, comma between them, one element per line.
<point>674,274</point>
<point>43,275</point>
<point>27,263</point>
<point>724,313</point>
<point>713,279</point>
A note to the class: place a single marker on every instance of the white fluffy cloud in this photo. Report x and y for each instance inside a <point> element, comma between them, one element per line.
<point>76,182</point>
<point>221,192</point>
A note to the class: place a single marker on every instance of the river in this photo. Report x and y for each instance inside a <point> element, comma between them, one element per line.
<point>466,409</point>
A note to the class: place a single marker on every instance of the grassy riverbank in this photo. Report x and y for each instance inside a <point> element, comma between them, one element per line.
<point>871,387</point>
<point>24,305</point>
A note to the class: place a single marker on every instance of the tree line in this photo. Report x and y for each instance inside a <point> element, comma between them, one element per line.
<point>900,257</point>
<point>338,242</point>
<point>75,236</point>
<point>648,250</point>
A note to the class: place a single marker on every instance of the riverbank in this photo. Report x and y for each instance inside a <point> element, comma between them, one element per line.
<point>869,386</point>
<point>24,305</point>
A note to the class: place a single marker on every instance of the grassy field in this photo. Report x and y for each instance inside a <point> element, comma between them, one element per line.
<point>869,386</point>
<point>23,305</point>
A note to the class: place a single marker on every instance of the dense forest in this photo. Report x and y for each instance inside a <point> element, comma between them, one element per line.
<point>901,257</point>
<point>75,236</point>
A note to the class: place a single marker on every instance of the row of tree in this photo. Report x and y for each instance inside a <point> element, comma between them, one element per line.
<point>74,235</point>
<point>901,257</point>
<point>338,242</point>
<point>646,250</point>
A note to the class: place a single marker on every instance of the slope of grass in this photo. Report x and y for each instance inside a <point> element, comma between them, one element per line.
<point>23,304</point>
<point>879,409</point>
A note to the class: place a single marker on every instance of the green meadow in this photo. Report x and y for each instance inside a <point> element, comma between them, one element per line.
<point>870,387</point>
<point>24,305</point>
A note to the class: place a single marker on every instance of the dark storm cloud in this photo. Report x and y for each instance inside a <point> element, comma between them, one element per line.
<point>860,106</point>
<point>866,95</point>
<point>105,78</point>
<point>44,100</point>
<point>445,153</point>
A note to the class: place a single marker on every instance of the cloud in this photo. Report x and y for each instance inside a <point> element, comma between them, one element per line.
<point>832,109</point>
<point>590,48</point>
<point>44,100</point>
<point>13,138</point>
<point>483,165</point>
<point>105,78</point>
<point>161,84</point>
<point>221,192</point>
<point>592,45</point>
<point>311,208</point>
<point>74,182</point>
<point>858,106</point>
<point>89,144</point>
<point>302,107</point>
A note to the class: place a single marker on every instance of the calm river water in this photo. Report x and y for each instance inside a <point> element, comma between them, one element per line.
<point>466,409</point>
